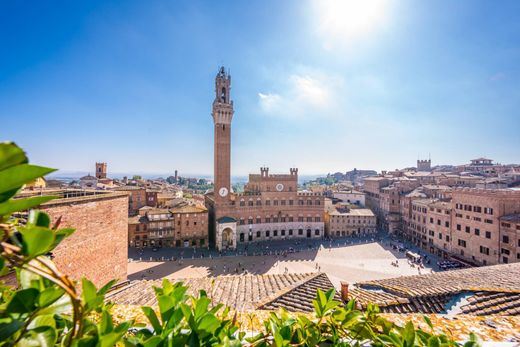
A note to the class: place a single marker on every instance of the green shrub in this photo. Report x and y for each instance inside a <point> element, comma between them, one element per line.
<point>48,309</point>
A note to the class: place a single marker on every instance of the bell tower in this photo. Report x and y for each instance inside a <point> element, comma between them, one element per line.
<point>222,115</point>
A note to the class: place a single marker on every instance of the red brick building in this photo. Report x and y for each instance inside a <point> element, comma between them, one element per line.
<point>270,208</point>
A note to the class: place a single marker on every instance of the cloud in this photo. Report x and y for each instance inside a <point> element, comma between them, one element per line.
<point>304,95</point>
<point>269,102</point>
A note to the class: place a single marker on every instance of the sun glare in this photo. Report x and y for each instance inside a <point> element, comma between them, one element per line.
<point>345,20</point>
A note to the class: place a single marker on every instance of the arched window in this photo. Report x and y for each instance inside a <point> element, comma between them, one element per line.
<point>223,95</point>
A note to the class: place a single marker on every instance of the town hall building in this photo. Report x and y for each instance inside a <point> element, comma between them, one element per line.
<point>270,207</point>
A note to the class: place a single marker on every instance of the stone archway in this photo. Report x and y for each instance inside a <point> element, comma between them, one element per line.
<point>227,238</point>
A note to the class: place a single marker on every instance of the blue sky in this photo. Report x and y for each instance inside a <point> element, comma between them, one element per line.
<point>320,85</point>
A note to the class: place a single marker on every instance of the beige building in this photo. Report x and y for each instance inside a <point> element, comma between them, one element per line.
<point>342,221</point>
<point>270,207</point>
<point>476,222</point>
<point>510,238</point>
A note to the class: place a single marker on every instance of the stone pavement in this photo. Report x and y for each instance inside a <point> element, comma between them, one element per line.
<point>355,261</point>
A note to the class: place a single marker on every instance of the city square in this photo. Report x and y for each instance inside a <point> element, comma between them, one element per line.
<point>351,259</point>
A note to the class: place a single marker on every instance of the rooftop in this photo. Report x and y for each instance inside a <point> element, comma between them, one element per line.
<point>478,291</point>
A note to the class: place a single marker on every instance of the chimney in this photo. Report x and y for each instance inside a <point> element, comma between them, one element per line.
<point>344,291</point>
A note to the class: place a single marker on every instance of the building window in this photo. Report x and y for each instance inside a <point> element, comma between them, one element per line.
<point>484,250</point>
<point>488,221</point>
<point>250,220</point>
<point>258,202</point>
<point>317,202</point>
<point>268,203</point>
<point>275,219</point>
<point>488,234</point>
<point>300,231</point>
<point>309,219</point>
<point>275,232</point>
<point>258,220</point>
<point>317,219</point>
<point>282,202</point>
<point>505,239</point>
<point>267,220</point>
<point>291,202</point>
<point>459,227</point>
<point>300,202</point>
<point>242,203</point>
<point>283,232</point>
<point>447,224</point>
<point>477,231</point>
<point>468,230</point>
<point>290,232</point>
<point>258,233</point>
<point>462,243</point>
<point>250,203</point>
<point>300,219</point>
<point>275,202</point>
<point>505,251</point>
<point>317,232</point>
<point>242,221</point>
<point>267,232</point>
<point>309,202</point>
<point>291,219</point>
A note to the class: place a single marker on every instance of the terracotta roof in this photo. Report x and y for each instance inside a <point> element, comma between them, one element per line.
<point>299,298</point>
<point>188,209</point>
<point>480,291</point>
<point>241,292</point>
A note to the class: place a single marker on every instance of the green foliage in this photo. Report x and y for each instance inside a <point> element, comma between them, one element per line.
<point>47,310</point>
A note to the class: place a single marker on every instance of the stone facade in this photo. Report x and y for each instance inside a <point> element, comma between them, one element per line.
<point>476,222</point>
<point>510,238</point>
<point>424,165</point>
<point>270,208</point>
<point>98,248</point>
<point>341,221</point>
<point>183,226</point>
<point>136,198</point>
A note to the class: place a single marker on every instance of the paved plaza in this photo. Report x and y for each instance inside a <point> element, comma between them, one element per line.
<point>342,260</point>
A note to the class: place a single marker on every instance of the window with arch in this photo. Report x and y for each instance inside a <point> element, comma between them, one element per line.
<point>242,203</point>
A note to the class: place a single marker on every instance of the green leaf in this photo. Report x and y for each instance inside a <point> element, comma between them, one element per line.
<point>154,341</point>
<point>209,324</point>
<point>109,340</point>
<point>89,290</point>
<point>106,326</point>
<point>16,176</point>
<point>152,318</point>
<point>428,321</point>
<point>60,234</point>
<point>23,301</point>
<point>49,296</point>
<point>8,329</point>
<point>434,342</point>
<point>10,206</point>
<point>166,305</point>
<point>11,155</point>
<point>408,334</point>
<point>36,240</point>
<point>40,337</point>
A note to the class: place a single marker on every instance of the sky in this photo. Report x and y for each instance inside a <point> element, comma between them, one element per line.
<point>321,85</point>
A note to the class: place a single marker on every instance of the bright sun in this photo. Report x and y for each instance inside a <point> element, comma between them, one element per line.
<point>348,19</point>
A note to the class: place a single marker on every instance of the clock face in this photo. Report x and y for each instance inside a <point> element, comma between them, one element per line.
<point>279,187</point>
<point>223,191</point>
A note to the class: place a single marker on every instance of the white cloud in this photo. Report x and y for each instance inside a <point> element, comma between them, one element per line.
<point>269,102</point>
<point>304,94</point>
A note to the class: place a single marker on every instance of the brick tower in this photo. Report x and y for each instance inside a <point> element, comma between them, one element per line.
<point>222,115</point>
<point>101,170</point>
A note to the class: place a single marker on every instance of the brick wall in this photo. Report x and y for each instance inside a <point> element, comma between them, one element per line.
<point>98,249</point>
